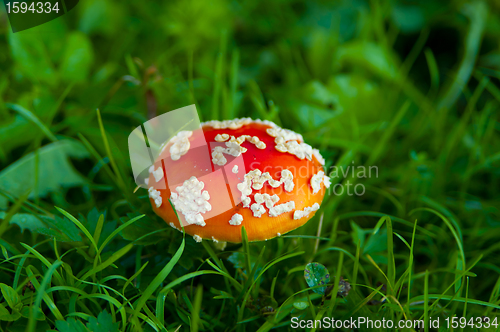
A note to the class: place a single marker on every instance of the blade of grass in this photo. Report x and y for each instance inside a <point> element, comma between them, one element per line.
<point>450,227</point>
<point>264,269</point>
<point>226,275</point>
<point>365,301</point>
<point>117,255</point>
<point>40,294</point>
<point>219,78</point>
<point>44,260</point>
<point>112,161</point>
<point>426,301</point>
<point>464,313</point>
<point>382,272</point>
<point>80,226</point>
<point>439,297</point>
<point>383,142</point>
<point>410,264</point>
<point>112,301</point>
<point>162,295</point>
<point>235,60</point>
<point>20,265</point>
<point>117,231</point>
<point>195,314</point>
<point>451,298</point>
<point>477,13</point>
<point>333,300</point>
<point>277,317</point>
<point>433,69</point>
<point>356,266</point>
<point>158,280</point>
<point>97,233</point>
<point>48,301</point>
<point>246,250</point>
<point>97,157</point>
<point>391,265</point>
<point>28,115</point>
<point>393,218</point>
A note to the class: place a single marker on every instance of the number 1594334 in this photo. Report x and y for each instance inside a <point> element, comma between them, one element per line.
<point>32,7</point>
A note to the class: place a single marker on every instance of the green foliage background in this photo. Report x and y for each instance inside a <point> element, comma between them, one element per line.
<point>409,87</point>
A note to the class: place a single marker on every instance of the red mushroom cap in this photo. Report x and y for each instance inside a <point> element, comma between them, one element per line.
<point>237,173</point>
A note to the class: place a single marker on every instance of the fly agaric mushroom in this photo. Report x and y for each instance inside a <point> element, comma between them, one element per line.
<point>235,173</point>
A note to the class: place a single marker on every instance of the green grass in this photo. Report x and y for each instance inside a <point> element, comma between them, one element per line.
<point>410,89</point>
